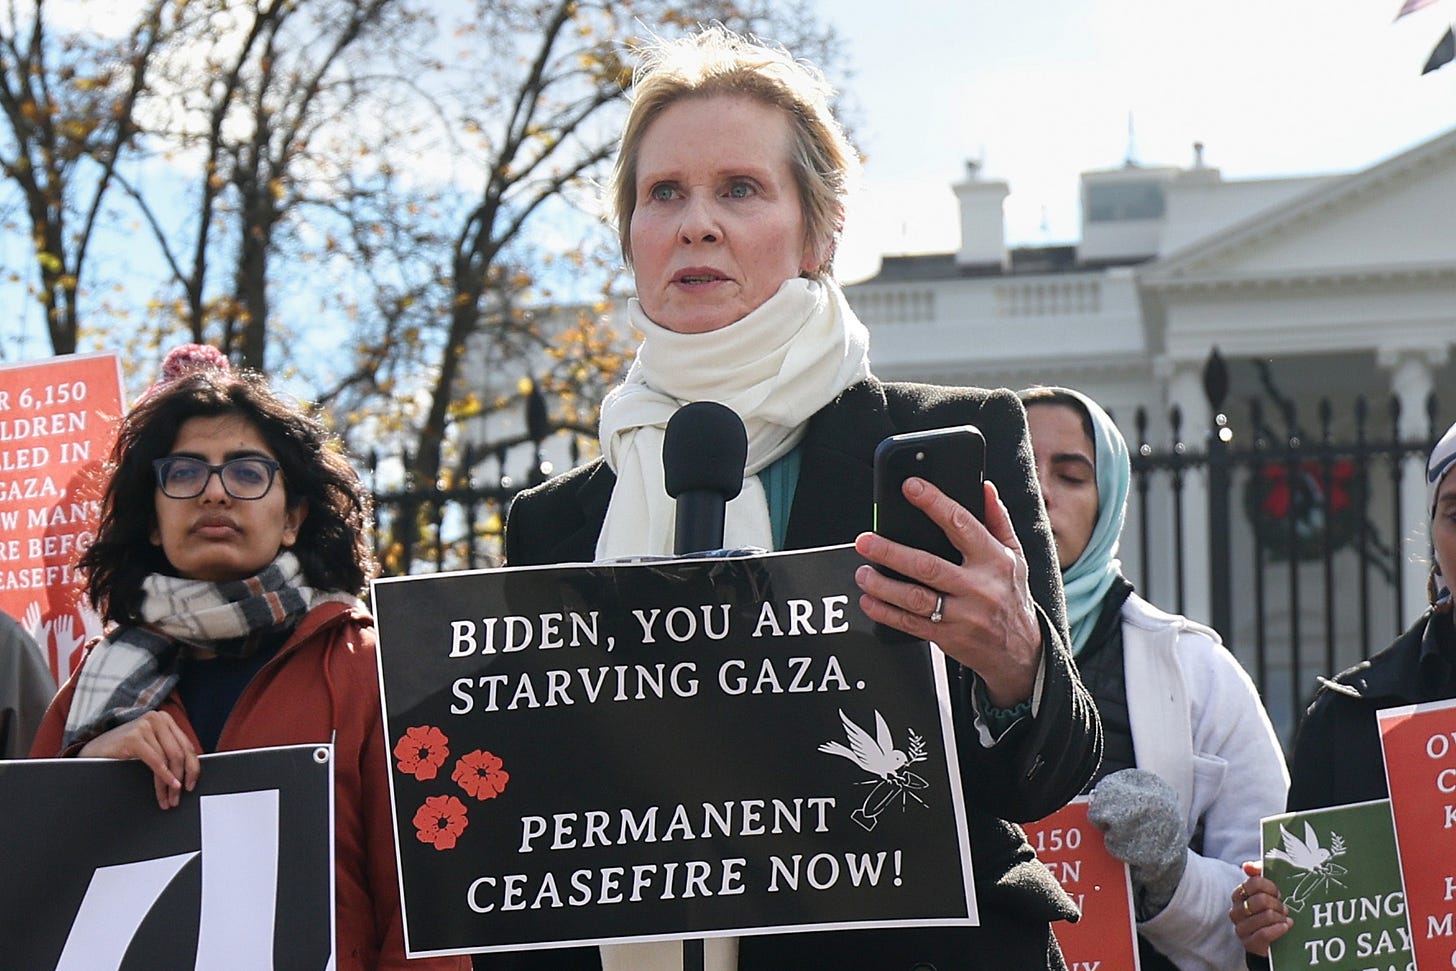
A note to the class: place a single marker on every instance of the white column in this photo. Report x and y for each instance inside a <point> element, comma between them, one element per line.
<point>1412,380</point>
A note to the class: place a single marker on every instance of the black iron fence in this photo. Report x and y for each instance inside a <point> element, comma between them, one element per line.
<point>457,523</point>
<point>1306,561</point>
<point>1310,556</point>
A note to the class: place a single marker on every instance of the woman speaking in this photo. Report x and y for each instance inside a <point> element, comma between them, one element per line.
<point>728,196</point>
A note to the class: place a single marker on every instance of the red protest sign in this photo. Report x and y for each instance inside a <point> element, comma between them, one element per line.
<point>58,419</point>
<point>1419,743</point>
<point>1073,849</point>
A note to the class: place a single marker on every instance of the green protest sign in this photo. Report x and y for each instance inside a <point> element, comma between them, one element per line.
<point>1338,871</point>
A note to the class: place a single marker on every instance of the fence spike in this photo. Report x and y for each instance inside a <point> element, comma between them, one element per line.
<point>467,465</point>
<point>1215,380</point>
<point>1290,412</point>
<point>538,423</point>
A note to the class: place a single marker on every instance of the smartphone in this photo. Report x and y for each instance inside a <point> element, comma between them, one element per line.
<point>954,459</point>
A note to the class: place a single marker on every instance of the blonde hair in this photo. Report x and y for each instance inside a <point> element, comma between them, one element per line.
<point>716,61</point>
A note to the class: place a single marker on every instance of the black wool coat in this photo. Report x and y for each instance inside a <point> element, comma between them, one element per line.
<point>1337,756</point>
<point>1040,763</point>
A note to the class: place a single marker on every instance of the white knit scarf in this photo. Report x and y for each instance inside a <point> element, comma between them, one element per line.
<point>775,367</point>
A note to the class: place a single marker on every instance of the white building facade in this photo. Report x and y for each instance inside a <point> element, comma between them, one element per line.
<point>1329,287</point>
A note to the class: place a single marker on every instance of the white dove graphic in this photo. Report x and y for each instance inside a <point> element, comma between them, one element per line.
<point>1317,863</point>
<point>1304,854</point>
<point>877,756</point>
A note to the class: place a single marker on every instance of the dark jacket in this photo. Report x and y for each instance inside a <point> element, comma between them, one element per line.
<point>26,688</point>
<point>1337,757</point>
<point>1038,765</point>
<point>1337,754</point>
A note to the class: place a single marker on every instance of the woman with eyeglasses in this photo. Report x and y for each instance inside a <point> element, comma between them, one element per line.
<point>227,563</point>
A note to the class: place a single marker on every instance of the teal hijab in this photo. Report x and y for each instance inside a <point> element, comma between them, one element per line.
<point>1087,581</point>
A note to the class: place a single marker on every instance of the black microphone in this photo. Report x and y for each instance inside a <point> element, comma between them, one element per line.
<point>703,453</point>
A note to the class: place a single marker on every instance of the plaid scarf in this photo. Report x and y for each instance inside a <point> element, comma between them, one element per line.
<point>134,669</point>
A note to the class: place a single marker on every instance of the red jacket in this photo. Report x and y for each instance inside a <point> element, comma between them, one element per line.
<point>323,681</point>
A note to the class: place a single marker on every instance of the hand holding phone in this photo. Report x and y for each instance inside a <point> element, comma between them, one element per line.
<point>953,459</point>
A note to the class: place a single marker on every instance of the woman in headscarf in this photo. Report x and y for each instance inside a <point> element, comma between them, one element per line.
<point>1190,761</point>
<point>728,196</point>
<point>1337,756</point>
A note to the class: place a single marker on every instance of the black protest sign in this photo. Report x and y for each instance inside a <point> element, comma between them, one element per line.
<point>678,748</point>
<point>94,876</point>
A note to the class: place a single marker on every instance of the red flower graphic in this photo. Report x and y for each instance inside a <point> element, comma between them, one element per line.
<point>440,821</point>
<point>481,774</point>
<point>422,751</point>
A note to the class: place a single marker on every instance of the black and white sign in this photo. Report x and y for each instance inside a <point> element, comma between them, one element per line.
<point>94,876</point>
<point>697,747</point>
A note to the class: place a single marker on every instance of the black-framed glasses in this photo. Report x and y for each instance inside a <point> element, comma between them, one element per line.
<point>183,477</point>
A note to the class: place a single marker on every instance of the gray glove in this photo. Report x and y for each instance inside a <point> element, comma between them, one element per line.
<point>1142,825</point>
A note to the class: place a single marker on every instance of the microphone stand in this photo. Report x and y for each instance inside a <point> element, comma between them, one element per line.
<point>704,449</point>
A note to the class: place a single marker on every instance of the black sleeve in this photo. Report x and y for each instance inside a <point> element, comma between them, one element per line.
<point>26,689</point>
<point>1041,763</point>
<point>1337,756</point>
<point>559,520</point>
<point>1048,758</point>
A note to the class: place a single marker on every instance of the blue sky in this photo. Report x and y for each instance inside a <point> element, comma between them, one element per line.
<point>1040,92</point>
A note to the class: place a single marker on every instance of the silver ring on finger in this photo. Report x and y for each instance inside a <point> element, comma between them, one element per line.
<point>938,614</point>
